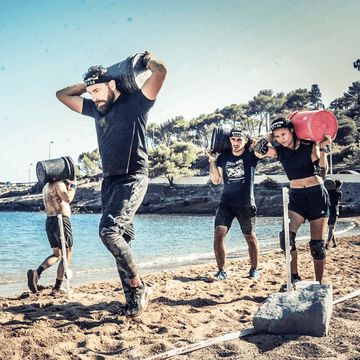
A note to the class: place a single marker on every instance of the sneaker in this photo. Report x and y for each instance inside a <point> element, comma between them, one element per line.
<point>335,245</point>
<point>33,279</point>
<point>221,275</point>
<point>295,280</point>
<point>56,292</point>
<point>138,300</point>
<point>327,246</point>
<point>254,274</point>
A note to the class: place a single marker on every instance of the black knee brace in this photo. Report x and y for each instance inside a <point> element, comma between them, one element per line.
<point>292,240</point>
<point>317,249</point>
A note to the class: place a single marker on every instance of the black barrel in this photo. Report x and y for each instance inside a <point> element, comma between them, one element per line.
<point>130,74</point>
<point>329,183</point>
<point>55,170</point>
<point>220,141</point>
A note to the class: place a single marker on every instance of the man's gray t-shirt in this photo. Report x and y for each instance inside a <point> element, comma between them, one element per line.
<point>121,133</point>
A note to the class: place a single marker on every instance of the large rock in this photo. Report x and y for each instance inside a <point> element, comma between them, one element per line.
<point>302,312</point>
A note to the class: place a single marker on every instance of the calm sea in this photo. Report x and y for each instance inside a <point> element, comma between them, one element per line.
<point>162,242</point>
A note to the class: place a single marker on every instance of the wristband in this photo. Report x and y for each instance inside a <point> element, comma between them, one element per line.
<point>321,149</point>
<point>73,186</point>
<point>146,62</point>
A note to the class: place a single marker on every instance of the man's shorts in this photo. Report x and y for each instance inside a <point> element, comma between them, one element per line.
<point>332,219</point>
<point>311,203</point>
<point>53,231</point>
<point>245,216</point>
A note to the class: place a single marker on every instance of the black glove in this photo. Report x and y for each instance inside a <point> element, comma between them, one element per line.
<point>262,147</point>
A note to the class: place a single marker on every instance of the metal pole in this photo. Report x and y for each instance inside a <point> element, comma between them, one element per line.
<point>153,144</point>
<point>331,168</point>
<point>51,142</point>
<point>64,257</point>
<point>285,192</point>
<point>29,172</point>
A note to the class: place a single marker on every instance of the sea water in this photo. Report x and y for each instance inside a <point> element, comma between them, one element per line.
<point>161,242</point>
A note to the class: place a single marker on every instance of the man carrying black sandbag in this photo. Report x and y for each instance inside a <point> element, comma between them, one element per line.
<point>120,120</point>
<point>237,168</point>
<point>57,196</point>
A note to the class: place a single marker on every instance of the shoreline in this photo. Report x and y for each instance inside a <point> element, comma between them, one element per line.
<point>110,274</point>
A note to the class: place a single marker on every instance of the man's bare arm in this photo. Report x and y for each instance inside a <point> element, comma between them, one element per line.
<point>66,193</point>
<point>154,83</point>
<point>71,96</point>
<point>216,174</point>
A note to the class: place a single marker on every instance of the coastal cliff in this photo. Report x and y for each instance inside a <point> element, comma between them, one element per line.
<point>179,199</point>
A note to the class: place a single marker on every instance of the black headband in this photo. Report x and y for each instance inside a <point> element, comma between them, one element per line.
<point>283,123</point>
<point>237,133</point>
<point>97,79</point>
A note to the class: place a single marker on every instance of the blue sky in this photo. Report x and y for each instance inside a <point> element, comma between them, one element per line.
<point>219,52</point>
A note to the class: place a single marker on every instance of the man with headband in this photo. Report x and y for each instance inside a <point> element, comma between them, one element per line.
<point>120,120</point>
<point>237,168</point>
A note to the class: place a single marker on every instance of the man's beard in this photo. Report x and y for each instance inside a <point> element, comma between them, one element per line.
<point>104,108</point>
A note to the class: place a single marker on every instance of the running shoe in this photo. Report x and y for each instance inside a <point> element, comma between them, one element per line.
<point>56,292</point>
<point>33,279</point>
<point>295,280</point>
<point>254,274</point>
<point>138,300</point>
<point>221,275</point>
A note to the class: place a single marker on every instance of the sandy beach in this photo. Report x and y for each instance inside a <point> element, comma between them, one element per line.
<point>184,309</point>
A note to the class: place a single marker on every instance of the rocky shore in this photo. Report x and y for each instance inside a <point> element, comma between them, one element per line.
<point>179,199</point>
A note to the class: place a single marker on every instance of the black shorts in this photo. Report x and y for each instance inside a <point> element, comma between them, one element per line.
<point>53,231</point>
<point>245,216</point>
<point>311,203</point>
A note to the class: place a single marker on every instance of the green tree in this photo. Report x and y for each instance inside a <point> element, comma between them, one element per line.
<point>88,162</point>
<point>353,95</point>
<point>201,128</point>
<point>176,129</point>
<point>347,132</point>
<point>172,161</point>
<point>152,135</point>
<point>354,159</point>
<point>354,92</point>
<point>264,105</point>
<point>340,103</point>
<point>77,171</point>
<point>298,99</point>
<point>315,97</point>
<point>233,114</point>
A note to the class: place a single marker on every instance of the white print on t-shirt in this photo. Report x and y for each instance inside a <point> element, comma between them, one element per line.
<point>235,171</point>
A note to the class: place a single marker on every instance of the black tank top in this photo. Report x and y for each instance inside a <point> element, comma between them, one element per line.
<point>297,163</point>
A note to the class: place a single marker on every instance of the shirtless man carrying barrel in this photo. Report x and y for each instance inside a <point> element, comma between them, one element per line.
<point>57,197</point>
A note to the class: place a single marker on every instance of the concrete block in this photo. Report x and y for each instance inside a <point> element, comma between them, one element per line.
<point>303,312</point>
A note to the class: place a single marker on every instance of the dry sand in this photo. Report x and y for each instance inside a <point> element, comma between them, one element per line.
<point>184,309</point>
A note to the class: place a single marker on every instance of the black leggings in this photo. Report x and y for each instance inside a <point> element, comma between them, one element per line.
<point>121,196</point>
